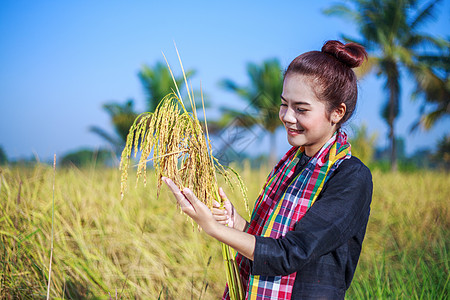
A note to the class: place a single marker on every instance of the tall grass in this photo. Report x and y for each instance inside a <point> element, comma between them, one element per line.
<point>142,247</point>
<point>405,253</point>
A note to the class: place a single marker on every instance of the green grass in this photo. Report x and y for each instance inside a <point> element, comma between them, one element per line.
<point>143,247</point>
<point>405,253</point>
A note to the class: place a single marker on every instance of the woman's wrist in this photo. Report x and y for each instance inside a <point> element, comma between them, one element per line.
<point>242,242</point>
<point>240,222</point>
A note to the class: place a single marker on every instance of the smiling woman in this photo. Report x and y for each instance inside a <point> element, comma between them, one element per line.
<point>319,94</point>
<point>305,117</point>
<point>306,231</point>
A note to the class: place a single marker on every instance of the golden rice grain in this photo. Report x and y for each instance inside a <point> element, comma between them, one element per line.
<point>180,150</point>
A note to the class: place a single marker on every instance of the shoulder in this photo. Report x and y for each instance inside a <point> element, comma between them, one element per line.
<point>354,163</point>
<point>353,168</point>
<point>351,175</point>
<point>348,190</point>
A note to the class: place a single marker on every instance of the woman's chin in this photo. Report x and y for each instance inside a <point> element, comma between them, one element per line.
<point>295,142</point>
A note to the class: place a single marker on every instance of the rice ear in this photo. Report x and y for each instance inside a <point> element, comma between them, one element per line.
<point>173,139</point>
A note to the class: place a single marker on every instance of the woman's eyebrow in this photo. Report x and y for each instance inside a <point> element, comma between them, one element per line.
<point>296,102</point>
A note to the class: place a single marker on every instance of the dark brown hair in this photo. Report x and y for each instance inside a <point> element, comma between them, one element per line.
<point>331,74</point>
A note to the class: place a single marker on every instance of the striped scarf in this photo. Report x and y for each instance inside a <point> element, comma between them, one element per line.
<point>283,201</point>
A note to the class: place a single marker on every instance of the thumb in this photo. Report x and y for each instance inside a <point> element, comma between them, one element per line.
<point>216,204</point>
<point>226,203</point>
<point>222,194</point>
<point>228,207</point>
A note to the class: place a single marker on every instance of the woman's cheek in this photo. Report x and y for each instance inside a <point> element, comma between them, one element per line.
<point>281,113</point>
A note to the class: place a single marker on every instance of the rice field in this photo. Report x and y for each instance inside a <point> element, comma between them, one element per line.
<point>142,247</point>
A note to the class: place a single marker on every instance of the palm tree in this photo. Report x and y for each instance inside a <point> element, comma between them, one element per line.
<point>122,117</point>
<point>3,157</point>
<point>442,154</point>
<point>158,82</point>
<point>363,144</point>
<point>390,32</point>
<point>263,98</point>
<point>434,87</point>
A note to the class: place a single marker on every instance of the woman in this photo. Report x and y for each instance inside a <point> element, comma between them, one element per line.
<point>305,234</point>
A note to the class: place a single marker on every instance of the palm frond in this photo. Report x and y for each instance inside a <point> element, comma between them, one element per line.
<point>115,142</point>
<point>424,15</point>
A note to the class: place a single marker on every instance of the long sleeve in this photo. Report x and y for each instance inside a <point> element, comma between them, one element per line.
<point>338,217</point>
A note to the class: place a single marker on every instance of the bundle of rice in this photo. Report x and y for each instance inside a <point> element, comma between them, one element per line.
<point>173,138</point>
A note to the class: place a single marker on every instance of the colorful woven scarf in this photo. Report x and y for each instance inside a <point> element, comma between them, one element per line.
<point>283,201</point>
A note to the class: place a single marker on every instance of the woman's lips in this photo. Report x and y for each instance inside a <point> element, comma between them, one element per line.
<point>294,132</point>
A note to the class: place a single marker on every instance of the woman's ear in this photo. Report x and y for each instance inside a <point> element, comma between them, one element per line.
<point>338,113</point>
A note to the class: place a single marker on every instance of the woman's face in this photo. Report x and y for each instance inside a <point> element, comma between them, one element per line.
<point>304,116</point>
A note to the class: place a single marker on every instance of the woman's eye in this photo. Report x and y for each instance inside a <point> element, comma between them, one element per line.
<point>283,104</point>
<point>301,110</point>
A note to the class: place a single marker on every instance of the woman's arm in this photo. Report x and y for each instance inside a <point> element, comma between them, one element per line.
<point>242,242</point>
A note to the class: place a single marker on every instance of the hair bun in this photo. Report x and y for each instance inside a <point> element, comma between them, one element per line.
<point>351,54</point>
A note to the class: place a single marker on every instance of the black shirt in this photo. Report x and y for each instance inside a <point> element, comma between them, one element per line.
<point>325,245</point>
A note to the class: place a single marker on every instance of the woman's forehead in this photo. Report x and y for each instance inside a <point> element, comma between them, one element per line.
<point>299,89</point>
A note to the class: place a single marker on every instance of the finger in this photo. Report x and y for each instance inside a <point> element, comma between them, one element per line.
<point>181,199</point>
<point>173,187</point>
<point>226,203</point>
<point>219,211</point>
<point>228,207</point>
<point>170,184</point>
<point>224,223</point>
<point>189,195</point>
<point>222,220</point>
<point>222,194</point>
<point>216,204</point>
<point>198,205</point>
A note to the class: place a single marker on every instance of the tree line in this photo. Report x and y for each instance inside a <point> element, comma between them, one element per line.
<point>391,32</point>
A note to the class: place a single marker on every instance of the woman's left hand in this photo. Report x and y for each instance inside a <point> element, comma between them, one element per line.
<point>193,207</point>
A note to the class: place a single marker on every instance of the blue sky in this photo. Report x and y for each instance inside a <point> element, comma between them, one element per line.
<point>61,60</point>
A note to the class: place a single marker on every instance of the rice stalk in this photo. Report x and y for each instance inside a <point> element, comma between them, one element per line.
<point>173,139</point>
<point>53,218</point>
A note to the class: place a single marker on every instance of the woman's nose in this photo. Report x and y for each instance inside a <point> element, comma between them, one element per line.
<point>288,116</point>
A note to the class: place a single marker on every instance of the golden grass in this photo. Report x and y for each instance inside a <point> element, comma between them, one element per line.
<point>101,243</point>
<point>143,247</point>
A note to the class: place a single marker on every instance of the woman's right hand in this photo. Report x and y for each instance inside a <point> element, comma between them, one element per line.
<point>227,215</point>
